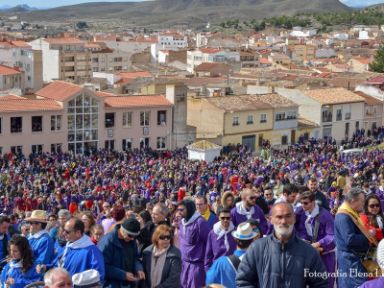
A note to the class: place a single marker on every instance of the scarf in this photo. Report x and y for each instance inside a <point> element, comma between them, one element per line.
<point>206,214</point>
<point>83,242</point>
<point>345,206</point>
<point>220,232</point>
<point>310,217</point>
<point>157,265</point>
<point>242,211</point>
<point>13,265</point>
<point>380,222</point>
<point>38,234</point>
<point>191,220</point>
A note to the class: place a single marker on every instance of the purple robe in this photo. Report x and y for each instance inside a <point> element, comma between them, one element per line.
<point>237,217</point>
<point>193,239</point>
<point>377,283</point>
<point>216,248</point>
<point>325,237</point>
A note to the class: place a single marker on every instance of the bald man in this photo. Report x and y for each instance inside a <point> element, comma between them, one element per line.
<point>282,259</point>
<point>57,278</point>
<point>247,209</point>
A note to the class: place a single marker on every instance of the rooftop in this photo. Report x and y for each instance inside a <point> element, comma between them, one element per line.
<point>334,96</point>
<point>203,145</point>
<point>137,101</point>
<point>27,105</point>
<point>238,103</point>
<point>276,100</point>
<point>59,90</point>
<point>369,100</point>
<point>6,70</point>
<point>64,40</point>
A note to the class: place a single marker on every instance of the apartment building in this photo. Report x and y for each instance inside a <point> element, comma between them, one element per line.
<point>202,55</point>
<point>11,78</point>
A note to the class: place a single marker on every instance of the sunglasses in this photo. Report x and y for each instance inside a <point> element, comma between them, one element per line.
<point>165,237</point>
<point>374,206</point>
<point>225,218</point>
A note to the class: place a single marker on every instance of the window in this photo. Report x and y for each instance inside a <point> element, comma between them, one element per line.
<point>37,123</point>
<point>235,121</point>
<point>339,115</point>
<point>160,143</point>
<point>17,149</point>
<point>109,120</point>
<point>263,118</point>
<point>37,149</point>
<point>117,59</point>
<point>16,124</point>
<point>327,116</point>
<point>109,145</point>
<point>291,115</point>
<point>161,117</point>
<point>347,116</point>
<point>127,144</point>
<point>357,125</point>
<point>280,116</point>
<point>127,119</point>
<point>144,118</point>
<point>1,125</point>
<point>56,148</point>
<point>249,119</point>
<point>284,140</point>
<point>55,122</point>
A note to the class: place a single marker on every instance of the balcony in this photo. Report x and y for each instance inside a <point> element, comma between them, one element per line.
<point>327,118</point>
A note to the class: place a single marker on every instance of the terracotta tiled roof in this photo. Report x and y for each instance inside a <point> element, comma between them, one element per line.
<point>334,96</point>
<point>378,80</point>
<point>363,60</point>
<point>238,103</point>
<point>135,74</point>
<point>11,97</point>
<point>369,100</point>
<point>276,100</point>
<point>207,66</point>
<point>305,123</point>
<point>26,105</point>
<point>137,101</point>
<point>21,44</point>
<point>59,90</point>
<point>6,70</point>
<point>201,81</point>
<point>64,40</point>
<point>104,94</point>
<point>210,50</point>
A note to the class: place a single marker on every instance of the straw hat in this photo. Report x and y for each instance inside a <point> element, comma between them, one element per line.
<point>244,232</point>
<point>37,216</point>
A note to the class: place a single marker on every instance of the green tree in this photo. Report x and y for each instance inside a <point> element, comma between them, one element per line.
<point>378,62</point>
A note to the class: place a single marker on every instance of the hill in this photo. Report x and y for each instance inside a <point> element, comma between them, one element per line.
<point>184,11</point>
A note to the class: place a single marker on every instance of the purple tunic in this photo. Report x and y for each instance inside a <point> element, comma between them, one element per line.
<point>193,239</point>
<point>377,283</point>
<point>325,237</point>
<point>216,248</point>
<point>258,215</point>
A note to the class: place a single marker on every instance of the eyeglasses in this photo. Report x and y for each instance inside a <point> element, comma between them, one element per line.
<point>305,203</point>
<point>67,231</point>
<point>225,218</point>
<point>165,237</point>
<point>180,209</point>
<point>374,206</point>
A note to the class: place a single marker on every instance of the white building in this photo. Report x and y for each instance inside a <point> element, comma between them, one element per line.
<point>20,54</point>
<point>168,41</point>
<point>302,33</point>
<point>203,55</point>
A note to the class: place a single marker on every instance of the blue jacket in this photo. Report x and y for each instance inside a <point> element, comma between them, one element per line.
<point>350,243</point>
<point>270,264</point>
<point>42,248</point>
<point>111,247</point>
<point>78,260</point>
<point>21,279</point>
<point>223,272</point>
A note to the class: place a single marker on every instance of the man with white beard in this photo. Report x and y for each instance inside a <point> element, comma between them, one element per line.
<point>281,260</point>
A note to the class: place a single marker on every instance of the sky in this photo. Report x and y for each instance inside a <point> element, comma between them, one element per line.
<point>55,3</point>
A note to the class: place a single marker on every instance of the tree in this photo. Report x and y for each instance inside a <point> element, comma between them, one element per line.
<point>378,62</point>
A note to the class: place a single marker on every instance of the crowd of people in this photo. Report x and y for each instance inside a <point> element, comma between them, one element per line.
<point>308,215</point>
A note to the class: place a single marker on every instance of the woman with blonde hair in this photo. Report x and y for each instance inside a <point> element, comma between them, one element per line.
<point>162,260</point>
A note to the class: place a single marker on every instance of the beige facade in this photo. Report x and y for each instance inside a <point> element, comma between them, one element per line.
<point>231,119</point>
<point>75,66</point>
<point>68,117</point>
<point>11,80</point>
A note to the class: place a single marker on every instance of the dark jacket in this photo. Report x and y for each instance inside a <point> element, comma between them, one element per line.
<point>351,244</point>
<point>270,264</point>
<point>115,259</point>
<point>172,268</point>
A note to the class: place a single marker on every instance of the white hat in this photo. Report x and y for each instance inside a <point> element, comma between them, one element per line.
<point>244,232</point>
<point>87,279</point>
<point>380,254</point>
